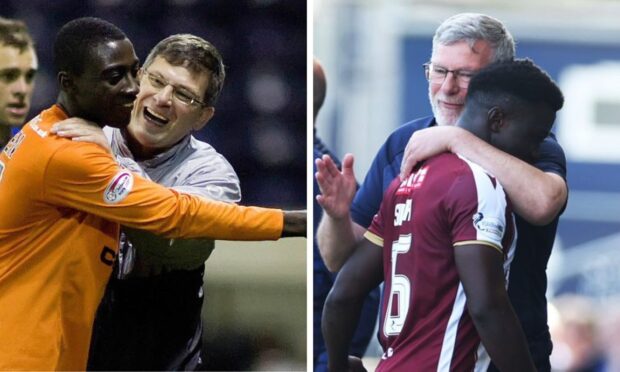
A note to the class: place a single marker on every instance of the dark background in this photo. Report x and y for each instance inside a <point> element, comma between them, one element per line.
<point>260,120</point>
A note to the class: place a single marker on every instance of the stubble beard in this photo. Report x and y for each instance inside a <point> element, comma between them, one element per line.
<point>441,117</point>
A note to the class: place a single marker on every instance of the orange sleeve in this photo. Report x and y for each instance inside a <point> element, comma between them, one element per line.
<point>84,177</point>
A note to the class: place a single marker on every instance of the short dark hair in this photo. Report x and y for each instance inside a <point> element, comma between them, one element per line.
<point>76,40</point>
<point>15,33</point>
<point>196,54</point>
<point>520,78</point>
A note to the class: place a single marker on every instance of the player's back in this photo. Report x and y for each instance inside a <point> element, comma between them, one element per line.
<point>48,282</point>
<point>425,323</point>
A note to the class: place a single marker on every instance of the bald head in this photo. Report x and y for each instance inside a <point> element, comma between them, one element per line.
<point>320,86</point>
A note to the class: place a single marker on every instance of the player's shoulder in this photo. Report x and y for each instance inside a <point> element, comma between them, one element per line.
<point>404,131</point>
<point>34,143</point>
<point>449,163</point>
<point>450,169</point>
<point>39,128</point>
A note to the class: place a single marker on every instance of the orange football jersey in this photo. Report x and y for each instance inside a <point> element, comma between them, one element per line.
<point>61,203</point>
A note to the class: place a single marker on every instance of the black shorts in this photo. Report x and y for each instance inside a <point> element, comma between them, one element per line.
<point>149,323</point>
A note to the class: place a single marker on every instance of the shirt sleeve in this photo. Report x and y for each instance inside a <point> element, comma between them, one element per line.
<point>551,157</point>
<point>375,231</point>
<point>476,210</point>
<point>83,177</point>
<point>383,169</point>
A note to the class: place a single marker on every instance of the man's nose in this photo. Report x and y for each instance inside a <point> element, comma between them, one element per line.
<point>450,84</point>
<point>164,96</point>
<point>20,86</point>
<point>131,87</point>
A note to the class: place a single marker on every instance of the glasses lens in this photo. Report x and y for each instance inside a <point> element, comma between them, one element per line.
<point>180,95</point>
<point>184,97</point>
<point>156,81</point>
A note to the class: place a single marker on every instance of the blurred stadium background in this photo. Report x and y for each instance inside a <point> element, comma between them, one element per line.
<point>373,51</point>
<point>255,293</point>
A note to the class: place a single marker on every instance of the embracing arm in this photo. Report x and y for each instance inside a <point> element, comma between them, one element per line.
<point>337,233</point>
<point>537,196</point>
<point>81,130</point>
<point>81,176</point>
<point>480,271</point>
<point>361,273</point>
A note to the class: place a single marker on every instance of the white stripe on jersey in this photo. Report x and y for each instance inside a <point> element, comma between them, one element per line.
<point>449,338</point>
<point>511,251</point>
<point>491,205</point>
<point>484,186</point>
<point>483,360</point>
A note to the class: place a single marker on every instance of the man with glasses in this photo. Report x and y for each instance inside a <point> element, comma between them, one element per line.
<point>443,241</point>
<point>462,45</point>
<point>150,317</point>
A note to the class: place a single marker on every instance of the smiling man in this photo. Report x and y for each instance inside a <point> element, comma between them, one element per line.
<point>150,318</point>
<point>18,66</point>
<point>462,45</point>
<point>445,239</point>
<point>64,201</point>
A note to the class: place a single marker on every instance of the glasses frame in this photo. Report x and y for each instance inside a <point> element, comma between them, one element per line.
<point>457,74</point>
<point>193,100</point>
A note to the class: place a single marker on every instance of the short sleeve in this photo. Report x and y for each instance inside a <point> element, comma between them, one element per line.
<point>476,209</point>
<point>377,230</point>
<point>551,157</point>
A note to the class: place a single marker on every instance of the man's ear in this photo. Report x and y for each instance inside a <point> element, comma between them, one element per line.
<point>64,81</point>
<point>205,116</point>
<point>495,118</point>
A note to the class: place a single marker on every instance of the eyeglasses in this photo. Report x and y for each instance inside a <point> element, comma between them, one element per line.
<point>179,93</point>
<point>437,74</point>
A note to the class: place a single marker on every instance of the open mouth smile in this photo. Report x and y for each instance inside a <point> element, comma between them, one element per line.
<point>155,118</point>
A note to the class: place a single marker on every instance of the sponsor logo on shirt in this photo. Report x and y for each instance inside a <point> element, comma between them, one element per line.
<point>13,144</point>
<point>414,181</point>
<point>490,226</point>
<point>119,187</point>
<point>34,124</point>
<point>402,212</point>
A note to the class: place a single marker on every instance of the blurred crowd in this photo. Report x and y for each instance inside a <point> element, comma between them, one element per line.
<point>585,334</point>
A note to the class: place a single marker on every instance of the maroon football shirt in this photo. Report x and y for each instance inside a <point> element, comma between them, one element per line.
<point>449,202</point>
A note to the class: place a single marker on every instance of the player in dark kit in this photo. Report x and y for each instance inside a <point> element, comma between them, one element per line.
<point>448,237</point>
